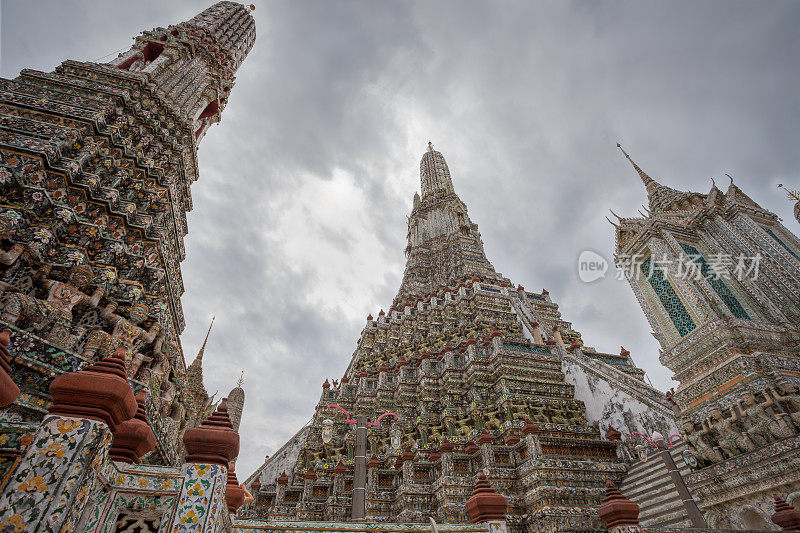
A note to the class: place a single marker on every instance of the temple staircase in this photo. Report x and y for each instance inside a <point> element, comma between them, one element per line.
<point>649,484</point>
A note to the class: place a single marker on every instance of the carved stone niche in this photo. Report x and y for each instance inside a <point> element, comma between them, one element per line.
<point>138,521</point>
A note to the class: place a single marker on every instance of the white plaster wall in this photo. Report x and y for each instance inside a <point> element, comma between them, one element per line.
<point>608,405</point>
<point>283,459</point>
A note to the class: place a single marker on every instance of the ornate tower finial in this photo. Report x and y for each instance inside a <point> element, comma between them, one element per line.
<point>790,193</point>
<point>433,173</point>
<point>650,184</point>
<point>236,402</point>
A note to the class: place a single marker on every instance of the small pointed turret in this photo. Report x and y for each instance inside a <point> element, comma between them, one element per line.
<point>236,403</point>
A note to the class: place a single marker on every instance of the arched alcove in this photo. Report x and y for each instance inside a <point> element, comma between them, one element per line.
<point>210,110</point>
<point>793,498</point>
<point>145,56</point>
<point>754,520</point>
<point>203,119</point>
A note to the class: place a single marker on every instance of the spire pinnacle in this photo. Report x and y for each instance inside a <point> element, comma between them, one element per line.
<point>650,184</point>
<point>241,380</point>
<point>433,173</point>
<point>790,193</point>
<point>199,358</point>
<point>203,347</point>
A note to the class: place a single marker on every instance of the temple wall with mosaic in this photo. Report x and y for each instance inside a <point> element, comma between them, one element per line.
<point>96,164</point>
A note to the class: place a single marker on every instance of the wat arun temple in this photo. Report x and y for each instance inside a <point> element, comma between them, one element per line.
<point>470,404</point>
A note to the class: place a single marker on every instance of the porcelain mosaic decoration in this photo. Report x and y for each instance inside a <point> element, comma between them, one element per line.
<point>96,165</point>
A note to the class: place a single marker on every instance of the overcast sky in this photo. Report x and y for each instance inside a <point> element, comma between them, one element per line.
<point>299,218</point>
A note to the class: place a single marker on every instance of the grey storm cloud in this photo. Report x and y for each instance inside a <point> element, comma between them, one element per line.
<point>299,224</point>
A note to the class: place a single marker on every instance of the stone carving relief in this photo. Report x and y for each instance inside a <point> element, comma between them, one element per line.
<point>757,420</point>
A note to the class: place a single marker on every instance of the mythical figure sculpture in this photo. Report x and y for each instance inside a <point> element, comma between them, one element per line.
<point>54,315</point>
<point>704,451</point>
<point>126,334</point>
<point>790,399</point>
<point>731,440</point>
<point>758,422</point>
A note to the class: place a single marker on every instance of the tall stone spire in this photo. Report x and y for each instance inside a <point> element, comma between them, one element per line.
<point>194,375</point>
<point>444,245</point>
<point>455,367</point>
<point>794,196</point>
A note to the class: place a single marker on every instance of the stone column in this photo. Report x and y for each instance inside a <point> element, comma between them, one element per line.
<point>487,452</point>
<point>372,473</point>
<point>280,489</point>
<point>537,335</point>
<point>210,447</point>
<point>372,487</point>
<point>338,478</point>
<point>8,389</point>
<point>360,471</point>
<point>255,487</point>
<point>446,451</point>
<point>406,464</point>
<point>408,472</point>
<point>531,442</point>
<point>308,483</point>
<point>558,337</point>
<point>47,489</point>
